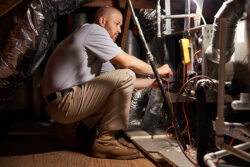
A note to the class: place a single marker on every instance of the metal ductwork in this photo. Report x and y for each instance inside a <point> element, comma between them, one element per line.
<point>232,11</point>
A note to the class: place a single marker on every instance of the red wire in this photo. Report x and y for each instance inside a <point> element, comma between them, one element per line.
<point>183,107</point>
<point>173,110</point>
<point>184,114</point>
<point>167,132</point>
<point>235,135</point>
<point>196,53</point>
<point>170,98</point>
<point>230,144</point>
<point>187,127</point>
<point>187,124</point>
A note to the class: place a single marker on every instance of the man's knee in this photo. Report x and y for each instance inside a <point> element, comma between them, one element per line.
<point>130,74</point>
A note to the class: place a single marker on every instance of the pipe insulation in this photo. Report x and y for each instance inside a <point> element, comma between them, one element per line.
<point>158,16</point>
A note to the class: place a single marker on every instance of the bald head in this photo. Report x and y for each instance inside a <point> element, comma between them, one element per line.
<point>110,19</point>
<point>106,12</point>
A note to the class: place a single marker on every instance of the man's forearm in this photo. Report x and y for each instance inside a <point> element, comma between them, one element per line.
<point>139,66</point>
<point>124,60</point>
<point>143,83</point>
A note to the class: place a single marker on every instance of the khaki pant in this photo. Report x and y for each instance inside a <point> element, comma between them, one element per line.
<point>105,98</point>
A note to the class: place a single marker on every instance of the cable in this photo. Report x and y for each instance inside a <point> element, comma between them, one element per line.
<point>183,108</point>
<point>188,130</point>
<point>175,111</point>
<point>236,134</point>
<point>196,53</point>
<point>230,144</point>
<point>170,99</point>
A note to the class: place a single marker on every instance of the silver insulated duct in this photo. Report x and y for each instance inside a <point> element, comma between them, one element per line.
<point>232,10</point>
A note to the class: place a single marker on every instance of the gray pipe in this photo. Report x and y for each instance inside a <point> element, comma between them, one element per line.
<point>247,7</point>
<point>158,16</point>
<point>208,158</point>
<point>232,10</point>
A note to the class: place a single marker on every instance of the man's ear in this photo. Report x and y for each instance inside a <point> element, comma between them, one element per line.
<point>102,21</point>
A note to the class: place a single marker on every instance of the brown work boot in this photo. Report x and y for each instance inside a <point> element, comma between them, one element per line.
<point>106,146</point>
<point>124,142</point>
<point>129,145</point>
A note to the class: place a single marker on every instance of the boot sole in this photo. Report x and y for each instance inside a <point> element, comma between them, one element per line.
<point>122,157</point>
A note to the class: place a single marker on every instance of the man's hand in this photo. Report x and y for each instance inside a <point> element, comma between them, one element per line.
<point>155,84</point>
<point>165,71</point>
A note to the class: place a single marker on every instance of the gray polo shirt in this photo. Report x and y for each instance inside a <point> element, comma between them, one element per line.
<point>82,56</point>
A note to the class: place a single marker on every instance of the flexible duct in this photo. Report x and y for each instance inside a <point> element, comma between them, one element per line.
<point>232,10</point>
<point>26,33</point>
<point>138,105</point>
<point>149,22</point>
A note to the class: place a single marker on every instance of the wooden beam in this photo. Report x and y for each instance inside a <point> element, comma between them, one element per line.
<point>122,3</point>
<point>126,25</point>
<point>6,6</point>
<point>146,4</point>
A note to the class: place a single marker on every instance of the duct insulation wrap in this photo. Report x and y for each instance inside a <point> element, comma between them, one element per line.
<point>148,22</point>
<point>232,10</point>
<point>138,105</point>
<point>153,112</point>
<point>139,98</point>
<point>146,110</point>
<point>146,105</point>
<point>26,33</point>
